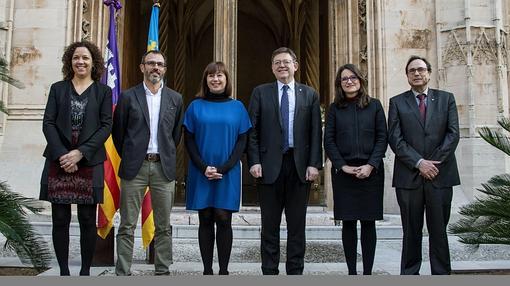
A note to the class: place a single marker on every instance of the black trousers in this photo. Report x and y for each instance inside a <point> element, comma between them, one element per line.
<point>290,194</point>
<point>437,204</point>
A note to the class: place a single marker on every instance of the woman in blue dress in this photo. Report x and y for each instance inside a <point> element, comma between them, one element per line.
<point>216,128</point>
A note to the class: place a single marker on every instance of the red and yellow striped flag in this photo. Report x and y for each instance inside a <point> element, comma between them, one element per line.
<point>111,78</point>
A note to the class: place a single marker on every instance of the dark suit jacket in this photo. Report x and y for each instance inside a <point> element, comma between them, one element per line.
<point>265,138</point>
<point>436,139</point>
<point>131,130</point>
<point>96,126</point>
<point>354,133</point>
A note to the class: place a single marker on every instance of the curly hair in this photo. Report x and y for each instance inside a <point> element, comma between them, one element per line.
<point>97,60</point>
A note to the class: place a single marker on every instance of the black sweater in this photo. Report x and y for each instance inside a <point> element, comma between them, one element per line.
<point>354,133</point>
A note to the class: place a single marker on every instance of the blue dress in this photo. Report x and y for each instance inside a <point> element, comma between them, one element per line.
<point>216,127</point>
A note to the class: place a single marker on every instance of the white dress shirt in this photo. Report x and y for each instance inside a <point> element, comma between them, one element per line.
<point>154,104</point>
<point>291,92</point>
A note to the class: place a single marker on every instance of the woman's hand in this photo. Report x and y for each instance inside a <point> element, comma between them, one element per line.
<point>349,170</point>
<point>70,159</point>
<point>212,173</point>
<point>71,169</point>
<point>364,171</point>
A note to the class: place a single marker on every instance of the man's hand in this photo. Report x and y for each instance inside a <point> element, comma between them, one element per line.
<point>428,170</point>
<point>212,173</point>
<point>256,171</point>
<point>364,171</point>
<point>311,173</point>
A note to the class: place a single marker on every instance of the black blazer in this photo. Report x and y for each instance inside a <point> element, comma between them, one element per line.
<point>354,133</point>
<point>436,139</point>
<point>131,130</point>
<point>96,126</point>
<point>265,138</point>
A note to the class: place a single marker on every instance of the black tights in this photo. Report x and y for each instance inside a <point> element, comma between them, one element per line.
<point>350,244</point>
<point>223,219</point>
<point>61,217</point>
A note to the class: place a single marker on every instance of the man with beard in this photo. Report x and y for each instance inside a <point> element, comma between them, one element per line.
<point>424,132</point>
<point>146,129</point>
<point>285,155</point>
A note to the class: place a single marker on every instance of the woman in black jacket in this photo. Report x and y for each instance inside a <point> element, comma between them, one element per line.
<point>355,140</point>
<point>77,121</point>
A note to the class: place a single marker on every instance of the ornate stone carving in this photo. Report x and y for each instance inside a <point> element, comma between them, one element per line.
<point>362,9</point>
<point>504,46</point>
<point>454,51</point>
<point>484,48</point>
<point>85,6</point>
<point>85,29</point>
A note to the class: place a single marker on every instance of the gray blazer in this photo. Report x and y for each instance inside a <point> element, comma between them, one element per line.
<point>131,131</point>
<point>265,138</point>
<point>436,139</point>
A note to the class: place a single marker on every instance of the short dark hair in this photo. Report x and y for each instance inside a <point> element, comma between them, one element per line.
<point>414,57</point>
<point>156,52</point>
<point>97,60</point>
<point>213,68</point>
<point>340,98</point>
<point>283,50</point>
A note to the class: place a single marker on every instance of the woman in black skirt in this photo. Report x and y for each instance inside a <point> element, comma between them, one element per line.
<point>77,121</point>
<point>355,140</point>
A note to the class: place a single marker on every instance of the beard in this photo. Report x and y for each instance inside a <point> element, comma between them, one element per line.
<point>154,78</point>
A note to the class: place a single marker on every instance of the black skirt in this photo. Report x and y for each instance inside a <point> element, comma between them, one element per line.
<point>358,199</point>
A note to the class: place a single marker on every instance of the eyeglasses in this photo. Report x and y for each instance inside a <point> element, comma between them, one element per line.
<point>153,64</point>
<point>352,78</point>
<point>284,62</point>
<point>420,70</point>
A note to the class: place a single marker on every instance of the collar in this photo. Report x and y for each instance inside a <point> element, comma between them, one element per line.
<point>426,92</point>
<point>290,84</point>
<point>148,91</point>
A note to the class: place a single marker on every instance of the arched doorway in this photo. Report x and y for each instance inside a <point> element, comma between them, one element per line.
<point>264,26</point>
<point>187,39</point>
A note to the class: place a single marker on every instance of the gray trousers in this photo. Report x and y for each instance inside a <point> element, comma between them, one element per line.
<point>131,196</point>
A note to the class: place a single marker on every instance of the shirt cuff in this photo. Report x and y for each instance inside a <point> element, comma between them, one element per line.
<point>417,166</point>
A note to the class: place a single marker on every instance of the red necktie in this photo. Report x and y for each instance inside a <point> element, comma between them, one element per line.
<point>422,107</point>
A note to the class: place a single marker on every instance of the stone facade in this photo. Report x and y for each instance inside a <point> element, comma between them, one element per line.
<point>465,40</point>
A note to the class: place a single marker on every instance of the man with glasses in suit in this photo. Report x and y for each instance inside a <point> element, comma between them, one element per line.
<point>424,132</point>
<point>285,155</point>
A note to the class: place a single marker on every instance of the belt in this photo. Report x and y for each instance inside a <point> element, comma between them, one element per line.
<point>289,151</point>
<point>152,157</point>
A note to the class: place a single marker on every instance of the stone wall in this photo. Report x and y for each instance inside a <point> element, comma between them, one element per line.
<point>467,46</point>
<point>38,40</point>
<point>468,58</point>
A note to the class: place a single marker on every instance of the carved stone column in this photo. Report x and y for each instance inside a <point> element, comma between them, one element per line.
<point>85,21</point>
<point>225,37</point>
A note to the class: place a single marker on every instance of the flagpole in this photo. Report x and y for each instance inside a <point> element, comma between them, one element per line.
<point>105,243</point>
<point>148,225</point>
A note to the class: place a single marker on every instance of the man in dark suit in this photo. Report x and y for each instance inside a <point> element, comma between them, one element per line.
<point>284,153</point>
<point>146,129</point>
<point>424,133</point>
